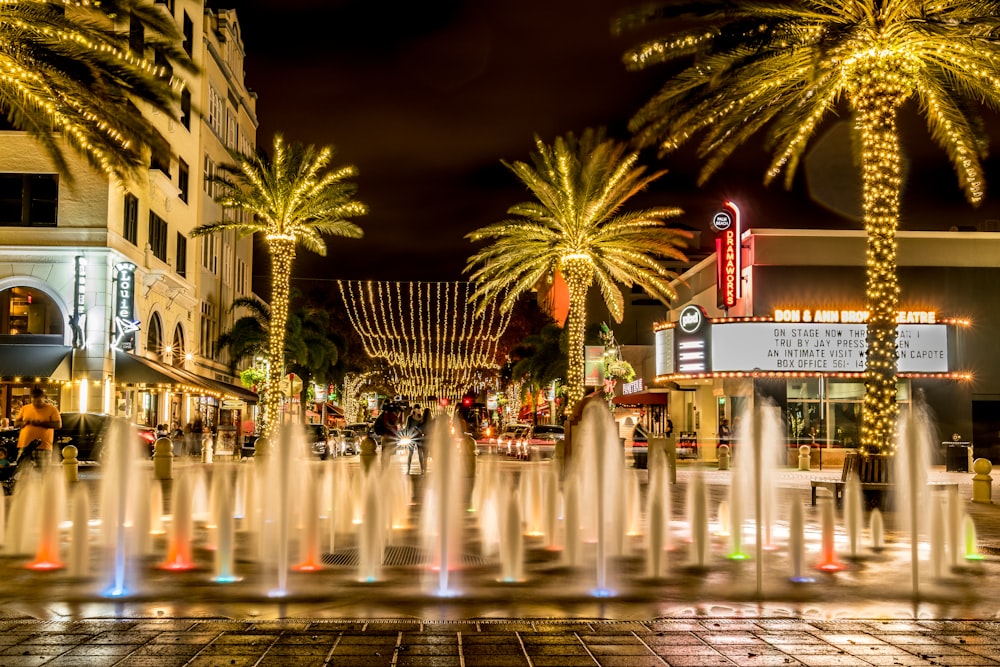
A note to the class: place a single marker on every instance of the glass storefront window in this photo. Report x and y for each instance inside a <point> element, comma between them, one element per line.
<point>806,388</point>
<point>826,411</point>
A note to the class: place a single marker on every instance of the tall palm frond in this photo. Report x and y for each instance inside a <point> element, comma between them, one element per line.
<point>67,71</point>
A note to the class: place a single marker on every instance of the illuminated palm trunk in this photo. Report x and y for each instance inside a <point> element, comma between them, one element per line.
<point>881,172</point>
<point>579,274</point>
<point>282,251</point>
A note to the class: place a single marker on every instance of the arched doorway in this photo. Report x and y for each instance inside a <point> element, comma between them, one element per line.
<point>28,311</point>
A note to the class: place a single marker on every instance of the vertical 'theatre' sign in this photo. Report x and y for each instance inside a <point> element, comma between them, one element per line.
<point>729,259</point>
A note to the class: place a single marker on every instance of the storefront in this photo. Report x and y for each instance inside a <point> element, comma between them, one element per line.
<point>796,336</point>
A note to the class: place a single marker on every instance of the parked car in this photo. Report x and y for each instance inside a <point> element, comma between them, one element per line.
<point>320,442</point>
<point>508,440</point>
<point>348,442</point>
<point>541,442</point>
<point>89,431</point>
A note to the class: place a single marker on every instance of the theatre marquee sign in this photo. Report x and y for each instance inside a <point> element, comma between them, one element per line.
<point>798,341</point>
<point>834,348</point>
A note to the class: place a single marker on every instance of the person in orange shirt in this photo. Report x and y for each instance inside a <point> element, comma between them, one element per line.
<point>38,421</point>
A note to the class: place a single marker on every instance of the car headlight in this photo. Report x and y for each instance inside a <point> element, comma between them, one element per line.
<point>405,441</point>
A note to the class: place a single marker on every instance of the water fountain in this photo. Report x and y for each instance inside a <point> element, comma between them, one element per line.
<point>520,538</point>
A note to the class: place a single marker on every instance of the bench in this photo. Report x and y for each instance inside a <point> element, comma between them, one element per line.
<point>836,487</point>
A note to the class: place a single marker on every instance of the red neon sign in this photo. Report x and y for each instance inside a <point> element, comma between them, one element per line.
<point>728,256</point>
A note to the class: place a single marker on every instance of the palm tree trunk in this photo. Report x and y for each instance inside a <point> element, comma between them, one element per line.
<point>881,172</point>
<point>282,251</point>
<point>579,274</point>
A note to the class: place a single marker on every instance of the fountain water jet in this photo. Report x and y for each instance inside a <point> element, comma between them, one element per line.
<point>47,556</point>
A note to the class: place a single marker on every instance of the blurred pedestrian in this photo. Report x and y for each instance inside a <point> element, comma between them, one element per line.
<point>38,421</point>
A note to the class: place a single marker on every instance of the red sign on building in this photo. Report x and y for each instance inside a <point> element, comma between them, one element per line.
<point>729,231</point>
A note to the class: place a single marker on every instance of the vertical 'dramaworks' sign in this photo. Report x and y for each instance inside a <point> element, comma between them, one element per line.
<point>729,231</point>
<point>125,323</point>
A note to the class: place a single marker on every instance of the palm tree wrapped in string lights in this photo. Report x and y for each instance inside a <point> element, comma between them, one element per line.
<point>577,226</point>
<point>787,65</point>
<point>67,73</point>
<point>293,199</point>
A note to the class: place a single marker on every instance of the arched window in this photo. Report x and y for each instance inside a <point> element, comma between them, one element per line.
<point>26,310</point>
<point>178,347</point>
<point>154,337</point>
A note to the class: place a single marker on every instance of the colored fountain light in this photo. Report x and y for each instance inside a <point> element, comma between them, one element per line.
<point>535,537</point>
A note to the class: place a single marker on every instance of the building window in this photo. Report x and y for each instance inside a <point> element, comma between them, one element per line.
<point>231,130</point>
<point>241,276</point>
<point>158,236</point>
<point>188,32</point>
<point>154,337</point>
<point>209,254</point>
<point>186,108</point>
<point>179,348</point>
<point>208,328</point>
<point>183,176</point>
<point>159,154</point>
<point>25,310</point>
<point>136,36</point>
<point>227,264</point>
<point>208,175</point>
<point>130,224</point>
<point>216,112</point>
<point>182,255</point>
<point>29,200</point>
<point>160,60</point>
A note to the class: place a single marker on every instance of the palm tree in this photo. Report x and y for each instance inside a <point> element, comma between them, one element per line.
<point>577,226</point>
<point>67,71</point>
<point>292,199</point>
<point>247,339</point>
<point>788,66</point>
<point>539,360</point>
<point>311,348</point>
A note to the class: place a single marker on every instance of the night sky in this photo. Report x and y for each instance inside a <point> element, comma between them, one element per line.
<point>427,98</point>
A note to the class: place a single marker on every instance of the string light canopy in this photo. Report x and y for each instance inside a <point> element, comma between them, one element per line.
<point>427,332</point>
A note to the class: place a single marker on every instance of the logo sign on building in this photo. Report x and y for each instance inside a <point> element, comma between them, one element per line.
<point>636,386</point>
<point>125,323</point>
<point>729,261</point>
<point>593,366</point>
<point>692,340</point>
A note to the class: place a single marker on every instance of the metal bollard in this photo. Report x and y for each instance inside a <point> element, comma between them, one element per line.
<point>368,453</point>
<point>804,452</point>
<point>468,456</point>
<point>723,453</point>
<point>982,483</point>
<point>71,465</point>
<point>261,450</point>
<point>163,459</point>
<point>207,447</point>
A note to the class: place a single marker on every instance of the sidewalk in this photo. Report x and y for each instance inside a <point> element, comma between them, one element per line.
<point>547,643</point>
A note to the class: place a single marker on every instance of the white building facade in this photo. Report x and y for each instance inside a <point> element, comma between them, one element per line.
<point>106,301</point>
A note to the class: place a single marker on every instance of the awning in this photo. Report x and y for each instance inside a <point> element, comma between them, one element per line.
<point>643,398</point>
<point>130,369</point>
<point>336,410</point>
<point>232,390</point>
<point>35,361</point>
